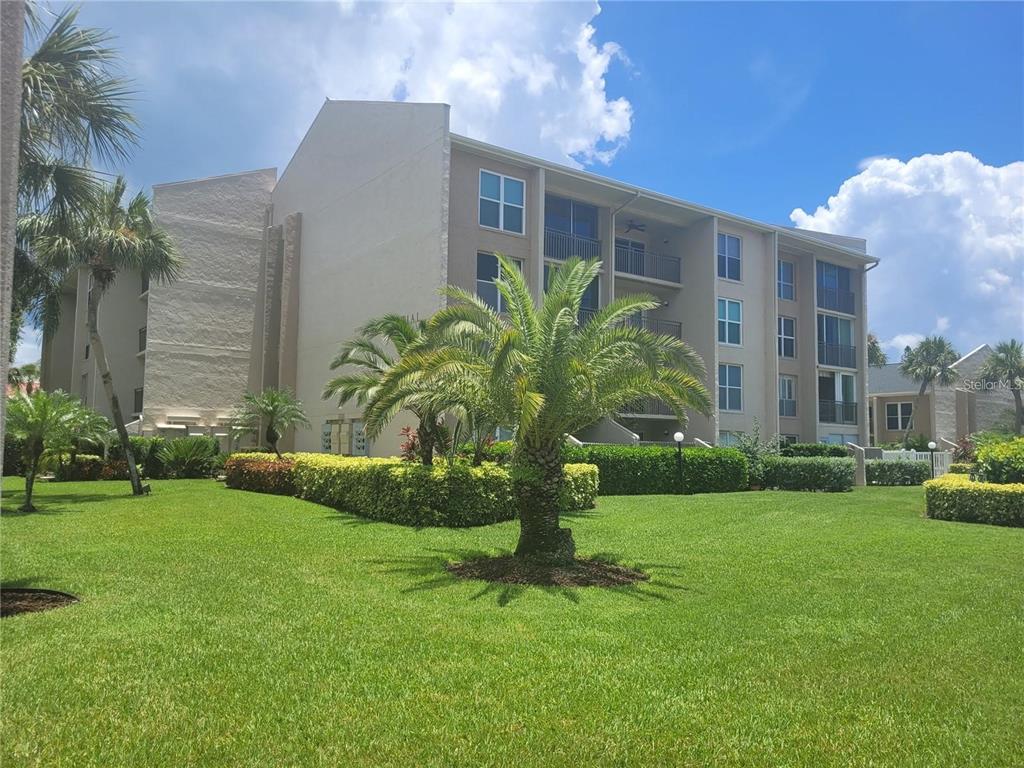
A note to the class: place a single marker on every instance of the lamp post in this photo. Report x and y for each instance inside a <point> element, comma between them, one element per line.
<point>678,437</point>
<point>931,450</point>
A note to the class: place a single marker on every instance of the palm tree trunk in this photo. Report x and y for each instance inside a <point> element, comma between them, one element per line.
<point>426,432</point>
<point>917,404</point>
<point>1019,408</point>
<point>108,387</point>
<point>30,480</point>
<point>537,484</point>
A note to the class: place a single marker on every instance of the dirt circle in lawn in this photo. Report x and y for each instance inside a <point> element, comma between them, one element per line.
<point>15,601</point>
<point>579,573</point>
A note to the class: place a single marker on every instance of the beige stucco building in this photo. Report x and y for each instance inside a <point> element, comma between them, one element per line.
<point>381,206</point>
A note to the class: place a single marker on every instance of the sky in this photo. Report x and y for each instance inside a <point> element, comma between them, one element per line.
<point>900,123</point>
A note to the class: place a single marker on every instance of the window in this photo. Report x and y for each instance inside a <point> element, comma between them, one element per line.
<point>570,216</point>
<point>145,283</point>
<point>138,400</point>
<point>835,341</point>
<point>86,351</point>
<point>730,321</point>
<point>787,396</point>
<point>729,257</point>
<point>897,416</point>
<point>789,439</point>
<point>486,274</point>
<point>834,287</point>
<point>730,387</point>
<point>786,277</point>
<point>726,438</point>
<point>502,202</point>
<point>787,337</point>
<point>142,339</point>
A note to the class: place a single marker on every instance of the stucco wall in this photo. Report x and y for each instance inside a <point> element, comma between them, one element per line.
<point>923,424</point>
<point>804,366</point>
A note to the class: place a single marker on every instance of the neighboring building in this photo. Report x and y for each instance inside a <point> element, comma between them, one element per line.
<point>381,206</point>
<point>943,413</point>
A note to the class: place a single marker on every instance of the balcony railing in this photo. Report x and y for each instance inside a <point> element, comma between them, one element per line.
<point>835,412</point>
<point>836,300</point>
<point>842,355</point>
<point>586,315</point>
<point>564,245</point>
<point>655,325</point>
<point>787,407</point>
<point>636,261</point>
<point>648,406</point>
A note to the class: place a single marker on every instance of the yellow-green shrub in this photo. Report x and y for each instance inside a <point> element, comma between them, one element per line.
<point>1002,462</point>
<point>961,468</point>
<point>579,489</point>
<point>957,497</point>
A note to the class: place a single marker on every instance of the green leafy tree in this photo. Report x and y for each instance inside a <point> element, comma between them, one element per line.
<point>49,422</point>
<point>26,375</point>
<point>930,362</point>
<point>546,373</point>
<point>1005,366</point>
<point>109,239</point>
<point>876,355</point>
<point>270,414</point>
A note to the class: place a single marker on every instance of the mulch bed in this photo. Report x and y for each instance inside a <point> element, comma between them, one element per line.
<point>15,601</point>
<point>512,570</point>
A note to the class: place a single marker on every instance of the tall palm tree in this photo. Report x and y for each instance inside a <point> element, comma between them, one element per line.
<point>109,239</point>
<point>1006,366</point>
<point>547,374</point>
<point>49,421</point>
<point>930,362</point>
<point>369,356</point>
<point>273,412</point>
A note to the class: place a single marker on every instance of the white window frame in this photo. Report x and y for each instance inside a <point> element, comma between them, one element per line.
<point>790,385</point>
<point>500,200</point>
<point>902,421</point>
<point>739,258</point>
<point>727,321</point>
<point>782,337</point>
<point>727,388</point>
<point>779,282</point>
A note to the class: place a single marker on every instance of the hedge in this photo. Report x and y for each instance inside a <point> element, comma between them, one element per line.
<point>1002,462</point>
<point>961,468</point>
<point>627,470</point>
<point>84,466</point>
<point>898,472</point>
<point>261,472</point>
<point>821,450</point>
<point>808,473</point>
<point>956,497</point>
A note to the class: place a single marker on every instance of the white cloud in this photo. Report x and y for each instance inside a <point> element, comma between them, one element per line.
<point>903,340</point>
<point>29,346</point>
<point>949,231</point>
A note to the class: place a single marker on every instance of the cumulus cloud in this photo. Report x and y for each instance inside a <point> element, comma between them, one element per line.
<point>949,231</point>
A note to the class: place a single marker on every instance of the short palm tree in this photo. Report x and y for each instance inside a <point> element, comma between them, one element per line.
<point>369,359</point>
<point>930,362</point>
<point>547,374</point>
<point>1005,366</point>
<point>49,421</point>
<point>109,239</point>
<point>271,413</point>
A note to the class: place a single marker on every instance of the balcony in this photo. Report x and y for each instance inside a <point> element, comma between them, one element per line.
<point>835,412</point>
<point>787,408</point>
<point>646,407</point>
<point>586,315</point>
<point>658,326</point>
<point>644,263</point>
<point>565,245</point>
<point>836,299</point>
<point>841,355</point>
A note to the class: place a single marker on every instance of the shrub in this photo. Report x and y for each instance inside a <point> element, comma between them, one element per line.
<point>84,466</point>
<point>14,452</point>
<point>756,450</point>
<point>898,472</point>
<point>629,470</point>
<point>964,453</point>
<point>260,472</point>
<point>147,452</point>
<point>580,488</point>
<point>809,473</point>
<point>1002,462</point>
<point>961,468</point>
<point>813,449</point>
<point>116,469</point>
<point>189,457</point>
<point>955,497</point>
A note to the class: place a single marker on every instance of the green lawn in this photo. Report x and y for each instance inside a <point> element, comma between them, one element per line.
<point>224,628</point>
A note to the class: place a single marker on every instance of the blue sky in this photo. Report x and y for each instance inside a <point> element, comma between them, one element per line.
<point>903,123</point>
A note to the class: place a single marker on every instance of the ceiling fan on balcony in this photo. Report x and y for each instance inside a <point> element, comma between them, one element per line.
<point>632,225</point>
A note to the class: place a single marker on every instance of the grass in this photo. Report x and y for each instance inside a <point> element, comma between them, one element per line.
<point>224,628</point>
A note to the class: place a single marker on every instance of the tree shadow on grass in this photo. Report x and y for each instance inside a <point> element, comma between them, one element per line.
<point>25,582</point>
<point>56,503</point>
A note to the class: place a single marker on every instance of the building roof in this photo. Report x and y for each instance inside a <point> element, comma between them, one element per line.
<point>889,380</point>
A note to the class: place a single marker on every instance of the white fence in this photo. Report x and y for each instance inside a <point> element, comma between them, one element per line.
<point>942,458</point>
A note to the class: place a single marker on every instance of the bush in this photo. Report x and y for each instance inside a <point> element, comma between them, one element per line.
<point>898,472</point>
<point>14,452</point>
<point>84,466</point>
<point>955,497</point>
<point>961,468</point>
<point>809,473</point>
<point>813,449</point>
<point>147,452</point>
<point>629,470</point>
<point>260,472</point>
<point>580,488</point>
<point>116,469</point>
<point>756,450</point>
<point>1002,462</point>
<point>189,457</point>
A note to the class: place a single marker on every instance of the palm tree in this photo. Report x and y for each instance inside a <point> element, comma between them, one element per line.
<point>369,356</point>
<point>931,361</point>
<point>24,376</point>
<point>110,239</point>
<point>547,374</point>
<point>49,421</point>
<point>277,409</point>
<point>876,355</point>
<point>1006,366</point>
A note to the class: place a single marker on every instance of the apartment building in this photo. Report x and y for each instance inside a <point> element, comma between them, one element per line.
<point>381,206</point>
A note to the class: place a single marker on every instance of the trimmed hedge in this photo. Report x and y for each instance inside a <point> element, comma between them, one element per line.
<point>961,468</point>
<point>955,497</point>
<point>1002,462</point>
<point>260,472</point>
<point>898,472</point>
<point>808,473</point>
<point>579,488</point>
<point>627,470</point>
<point>821,450</point>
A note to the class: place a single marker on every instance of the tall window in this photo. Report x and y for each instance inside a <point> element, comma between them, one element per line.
<point>729,257</point>
<point>787,337</point>
<point>730,321</point>
<point>570,216</point>
<point>142,339</point>
<point>502,202</point>
<point>730,387</point>
<point>786,280</point>
<point>897,416</point>
<point>144,284</point>
<point>138,400</point>
<point>486,273</point>
<point>787,396</point>
<point>834,287</point>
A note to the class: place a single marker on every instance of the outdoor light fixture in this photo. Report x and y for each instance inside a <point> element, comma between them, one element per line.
<point>931,451</point>
<point>678,437</point>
